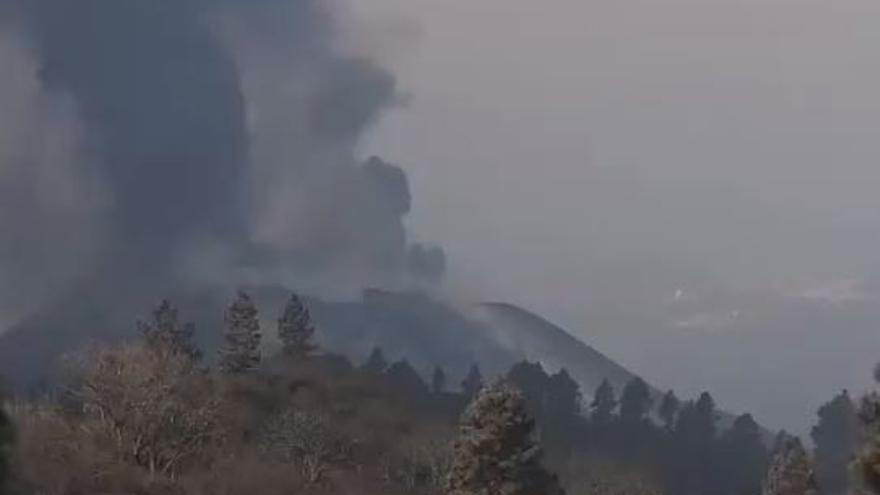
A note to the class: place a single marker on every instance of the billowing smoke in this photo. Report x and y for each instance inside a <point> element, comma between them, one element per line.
<point>142,140</point>
<point>49,198</point>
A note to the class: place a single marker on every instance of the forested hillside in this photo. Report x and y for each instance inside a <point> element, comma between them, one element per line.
<point>158,413</point>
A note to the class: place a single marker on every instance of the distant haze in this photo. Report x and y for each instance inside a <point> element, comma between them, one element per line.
<point>689,186</point>
<point>589,159</point>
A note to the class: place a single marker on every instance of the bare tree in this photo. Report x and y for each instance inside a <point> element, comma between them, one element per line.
<point>422,462</point>
<point>308,440</point>
<point>159,409</point>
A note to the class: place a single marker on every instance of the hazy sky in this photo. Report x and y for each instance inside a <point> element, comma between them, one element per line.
<point>567,152</point>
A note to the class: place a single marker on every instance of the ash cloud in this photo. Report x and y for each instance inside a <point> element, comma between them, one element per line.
<point>49,202</point>
<point>157,132</point>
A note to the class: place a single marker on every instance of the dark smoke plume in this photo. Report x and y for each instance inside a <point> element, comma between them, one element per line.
<point>165,141</point>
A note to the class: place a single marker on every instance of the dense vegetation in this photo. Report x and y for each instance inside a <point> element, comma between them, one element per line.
<point>155,415</point>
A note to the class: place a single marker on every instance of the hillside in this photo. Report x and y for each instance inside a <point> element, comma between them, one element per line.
<point>536,339</point>
<point>408,326</point>
<point>369,410</point>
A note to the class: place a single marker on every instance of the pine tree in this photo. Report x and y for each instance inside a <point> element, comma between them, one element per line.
<point>405,378</point>
<point>563,396</point>
<point>632,432</point>
<point>741,460</point>
<point>376,363</point>
<point>791,472</point>
<point>603,404</point>
<point>241,349</point>
<point>295,328</point>
<point>495,452</point>
<point>165,333</point>
<point>562,424</point>
<point>438,381</point>
<point>668,410</point>
<point>635,401</point>
<point>836,439</point>
<point>472,383</point>
<point>694,439</point>
<point>706,416</point>
<point>533,383</point>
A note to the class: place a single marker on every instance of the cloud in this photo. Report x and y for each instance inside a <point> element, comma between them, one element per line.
<point>143,134</point>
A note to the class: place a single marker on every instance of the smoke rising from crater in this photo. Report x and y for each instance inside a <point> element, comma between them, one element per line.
<point>141,135</point>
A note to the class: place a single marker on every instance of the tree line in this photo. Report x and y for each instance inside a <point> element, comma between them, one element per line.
<point>153,417</point>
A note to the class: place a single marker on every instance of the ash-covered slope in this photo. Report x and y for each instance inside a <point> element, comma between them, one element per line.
<point>534,338</point>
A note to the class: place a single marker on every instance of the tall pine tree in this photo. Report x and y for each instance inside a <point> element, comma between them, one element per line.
<point>603,405</point>
<point>472,383</point>
<point>495,452</point>
<point>240,352</point>
<point>376,363</point>
<point>668,410</point>
<point>694,443</point>
<point>562,424</point>
<point>741,460</point>
<point>295,328</point>
<point>402,376</point>
<point>706,416</point>
<point>634,432</point>
<point>836,439</point>
<point>532,382</point>
<point>164,332</point>
<point>563,396</point>
<point>635,401</point>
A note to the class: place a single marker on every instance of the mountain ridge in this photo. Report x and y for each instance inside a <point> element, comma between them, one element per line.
<point>410,326</point>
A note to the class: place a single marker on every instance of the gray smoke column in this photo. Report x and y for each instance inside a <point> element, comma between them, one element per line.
<point>191,128</point>
<point>162,110</point>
